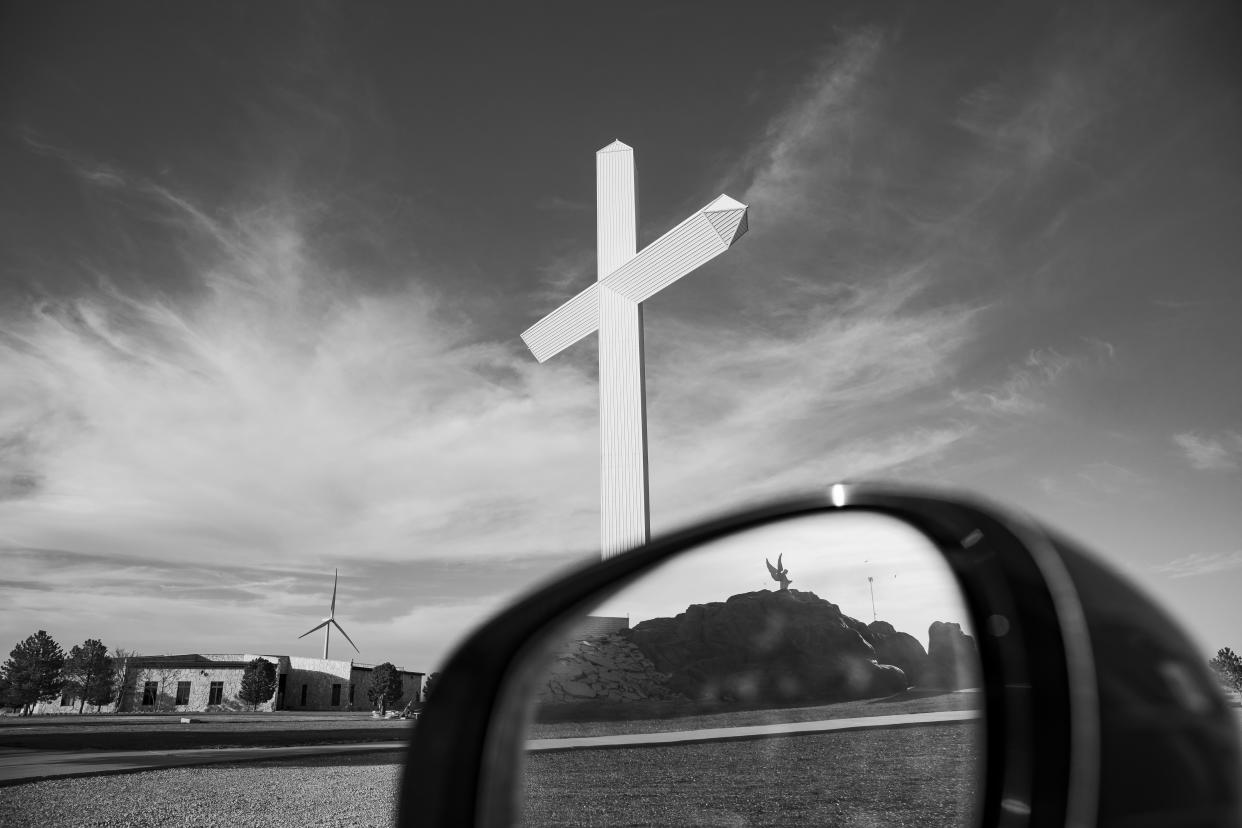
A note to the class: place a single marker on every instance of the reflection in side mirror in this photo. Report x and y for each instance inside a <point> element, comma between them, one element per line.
<point>813,671</point>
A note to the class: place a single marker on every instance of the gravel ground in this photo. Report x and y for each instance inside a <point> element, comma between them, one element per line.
<point>329,790</point>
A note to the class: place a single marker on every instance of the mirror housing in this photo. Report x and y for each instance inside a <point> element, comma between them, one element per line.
<point>1098,709</point>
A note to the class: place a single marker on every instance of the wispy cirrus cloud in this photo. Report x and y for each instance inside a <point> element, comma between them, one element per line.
<point>1019,393</point>
<point>1024,391</point>
<point>220,449</point>
<point>279,413</point>
<point>89,170</point>
<point>1222,452</point>
<point>816,133</point>
<point>1198,563</point>
<point>1097,481</point>
<point>562,276</point>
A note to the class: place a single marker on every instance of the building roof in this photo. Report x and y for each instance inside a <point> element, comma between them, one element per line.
<point>199,661</point>
<point>369,667</point>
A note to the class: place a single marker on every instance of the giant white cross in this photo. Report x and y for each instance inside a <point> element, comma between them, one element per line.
<point>613,306</point>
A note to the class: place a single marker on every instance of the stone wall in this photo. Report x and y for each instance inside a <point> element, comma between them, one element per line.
<point>200,676</point>
<point>605,669</point>
<point>317,675</point>
<point>411,688</point>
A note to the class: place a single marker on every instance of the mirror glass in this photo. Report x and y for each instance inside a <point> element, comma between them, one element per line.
<point>815,671</point>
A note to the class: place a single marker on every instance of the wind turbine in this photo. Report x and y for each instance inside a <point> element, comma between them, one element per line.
<point>330,622</point>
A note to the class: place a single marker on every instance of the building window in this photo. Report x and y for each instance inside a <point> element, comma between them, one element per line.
<point>351,693</point>
<point>215,695</point>
<point>65,701</point>
<point>336,695</point>
<point>183,692</point>
<point>304,695</point>
<point>150,690</point>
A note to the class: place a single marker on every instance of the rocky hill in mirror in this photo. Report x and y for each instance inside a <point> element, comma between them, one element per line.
<point>759,648</point>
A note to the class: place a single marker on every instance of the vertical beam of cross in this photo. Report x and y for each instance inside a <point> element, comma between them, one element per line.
<point>613,306</point>
<point>622,396</point>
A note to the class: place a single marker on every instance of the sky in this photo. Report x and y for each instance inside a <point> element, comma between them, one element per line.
<point>264,269</point>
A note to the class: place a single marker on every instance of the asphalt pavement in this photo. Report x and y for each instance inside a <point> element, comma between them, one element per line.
<point>19,765</point>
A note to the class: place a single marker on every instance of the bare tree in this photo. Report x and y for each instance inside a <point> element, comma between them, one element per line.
<point>164,675</point>
<point>123,676</point>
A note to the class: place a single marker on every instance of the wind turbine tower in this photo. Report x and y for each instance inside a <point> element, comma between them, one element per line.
<point>328,623</point>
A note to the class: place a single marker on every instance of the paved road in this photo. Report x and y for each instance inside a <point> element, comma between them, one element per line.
<point>22,765</point>
<point>720,734</point>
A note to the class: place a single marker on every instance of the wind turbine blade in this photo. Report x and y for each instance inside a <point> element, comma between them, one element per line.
<point>319,626</point>
<point>347,638</point>
<point>335,574</point>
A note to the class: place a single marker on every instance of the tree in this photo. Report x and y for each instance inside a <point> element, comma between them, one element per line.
<point>258,682</point>
<point>1228,667</point>
<point>103,691</point>
<point>431,682</point>
<point>123,677</point>
<point>88,673</point>
<point>385,686</point>
<point>33,671</point>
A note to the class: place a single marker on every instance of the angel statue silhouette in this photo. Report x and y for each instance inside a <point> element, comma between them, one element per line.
<point>779,572</point>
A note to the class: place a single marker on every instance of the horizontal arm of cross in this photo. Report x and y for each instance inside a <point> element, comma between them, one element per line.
<point>700,238</point>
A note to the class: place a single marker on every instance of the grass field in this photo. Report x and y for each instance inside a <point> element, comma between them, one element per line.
<point>924,776</point>
<point>915,776</point>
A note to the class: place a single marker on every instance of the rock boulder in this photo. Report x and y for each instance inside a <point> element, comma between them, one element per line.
<point>899,649</point>
<point>769,647</point>
<point>603,669</point>
<point>953,660</point>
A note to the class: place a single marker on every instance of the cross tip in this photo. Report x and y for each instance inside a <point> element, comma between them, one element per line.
<point>724,202</point>
<point>617,146</point>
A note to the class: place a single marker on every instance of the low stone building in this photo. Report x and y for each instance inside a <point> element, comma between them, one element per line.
<point>200,682</point>
<point>324,684</point>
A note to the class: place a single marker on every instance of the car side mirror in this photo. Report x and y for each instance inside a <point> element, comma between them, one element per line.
<point>1051,729</point>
